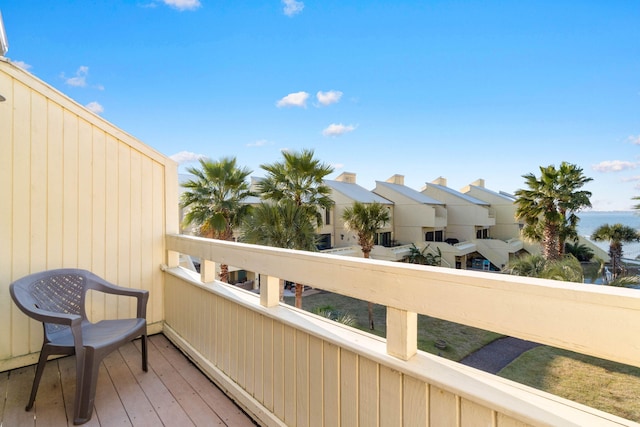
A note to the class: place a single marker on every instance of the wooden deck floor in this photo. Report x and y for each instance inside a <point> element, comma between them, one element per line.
<point>172,393</point>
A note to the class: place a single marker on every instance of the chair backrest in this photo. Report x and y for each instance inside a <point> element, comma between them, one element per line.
<point>58,291</point>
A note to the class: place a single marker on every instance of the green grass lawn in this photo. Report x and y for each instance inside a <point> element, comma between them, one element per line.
<point>601,384</point>
<point>461,340</point>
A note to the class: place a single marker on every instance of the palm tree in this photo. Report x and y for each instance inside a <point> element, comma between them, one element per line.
<point>567,268</point>
<point>299,177</point>
<point>282,225</point>
<point>298,183</point>
<point>579,250</point>
<point>548,207</point>
<point>215,199</point>
<point>616,234</point>
<point>366,220</point>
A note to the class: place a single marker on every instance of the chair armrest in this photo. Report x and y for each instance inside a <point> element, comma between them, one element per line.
<point>141,295</point>
<point>47,316</point>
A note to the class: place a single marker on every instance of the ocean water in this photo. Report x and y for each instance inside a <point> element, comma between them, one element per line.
<point>591,220</point>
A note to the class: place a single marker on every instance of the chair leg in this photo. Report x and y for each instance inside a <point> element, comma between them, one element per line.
<point>144,353</point>
<point>87,380</point>
<point>42,362</point>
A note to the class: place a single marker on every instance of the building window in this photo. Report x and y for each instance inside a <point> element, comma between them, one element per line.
<point>327,216</point>
<point>324,241</point>
<point>383,239</point>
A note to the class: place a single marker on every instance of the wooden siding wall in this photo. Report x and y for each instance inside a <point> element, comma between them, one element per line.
<point>288,367</point>
<point>302,379</point>
<point>75,192</point>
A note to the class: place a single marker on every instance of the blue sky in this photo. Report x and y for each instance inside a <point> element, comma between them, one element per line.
<point>459,89</point>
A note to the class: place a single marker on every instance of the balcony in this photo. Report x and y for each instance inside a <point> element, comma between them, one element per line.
<point>284,366</point>
<point>80,192</point>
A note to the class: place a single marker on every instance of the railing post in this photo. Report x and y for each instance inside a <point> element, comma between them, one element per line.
<point>269,291</point>
<point>173,259</point>
<point>402,333</point>
<point>207,271</point>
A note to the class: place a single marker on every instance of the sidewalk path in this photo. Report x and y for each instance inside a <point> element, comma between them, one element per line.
<point>498,354</point>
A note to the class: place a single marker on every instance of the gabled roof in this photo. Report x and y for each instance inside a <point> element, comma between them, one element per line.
<point>493,193</point>
<point>410,193</point>
<point>356,192</point>
<point>459,194</point>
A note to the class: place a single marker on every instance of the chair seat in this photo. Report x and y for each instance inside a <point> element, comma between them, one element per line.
<point>103,334</point>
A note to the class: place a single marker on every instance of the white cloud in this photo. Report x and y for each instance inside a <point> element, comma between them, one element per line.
<point>337,129</point>
<point>80,79</point>
<point>328,98</point>
<point>297,99</point>
<point>631,178</point>
<point>94,107</point>
<point>338,165</point>
<point>292,7</point>
<point>21,64</point>
<point>183,4</point>
<point>634,139</point>
<point>614,166</point>
<point>258,143</point>
<point>186,157</point>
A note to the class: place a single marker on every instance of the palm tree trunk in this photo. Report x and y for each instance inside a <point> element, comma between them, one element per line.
<point>299,288</point>
<point>366,251</point>
<point>224,273</point>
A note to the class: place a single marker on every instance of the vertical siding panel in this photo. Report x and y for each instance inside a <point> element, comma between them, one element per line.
<point>55,185</point>
<point>70,189</point>
<point>85,187</point>
<point>302,378</point>
<point>124,222</point>
<point>390,397</point>
<point>38,180</point>
<point>316,381</point>
<point>99,207</point>
<point>506,421</point>
<point>21,211</point>
<point>259,352</point>
<point>250,352</point>
<point>443,407</point>
<point>368,386</point>
<point>147,265</point>
<point>331,391</point>
<point>290,371</point>
<point>38,214</point>
<point>219,328</point>
<point>233,341</point>
<point>6,215</point>
<point>267,361</point>
<point>241,338</point>
<point>158,254</point>
<point>135,258</point>
<point>112,234</point>
<point>278,370</point>
<point>213,324</point>
<point>415,409</point>
<point>349,388</point>
<point>474,415</point>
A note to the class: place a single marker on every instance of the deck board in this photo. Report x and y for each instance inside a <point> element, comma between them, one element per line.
<point>172,392</point>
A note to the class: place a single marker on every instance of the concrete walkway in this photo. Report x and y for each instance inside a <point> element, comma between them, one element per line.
<point>494,356</point>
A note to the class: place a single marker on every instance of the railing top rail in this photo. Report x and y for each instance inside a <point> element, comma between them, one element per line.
<point>556,313</point>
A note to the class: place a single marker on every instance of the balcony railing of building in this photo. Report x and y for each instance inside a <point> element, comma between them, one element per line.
<point>289,367</point>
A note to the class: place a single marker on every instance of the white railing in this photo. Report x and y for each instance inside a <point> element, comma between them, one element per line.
<point>288,367</point>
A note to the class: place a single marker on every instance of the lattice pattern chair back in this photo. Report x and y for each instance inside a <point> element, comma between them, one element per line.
<point>60,293</point>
